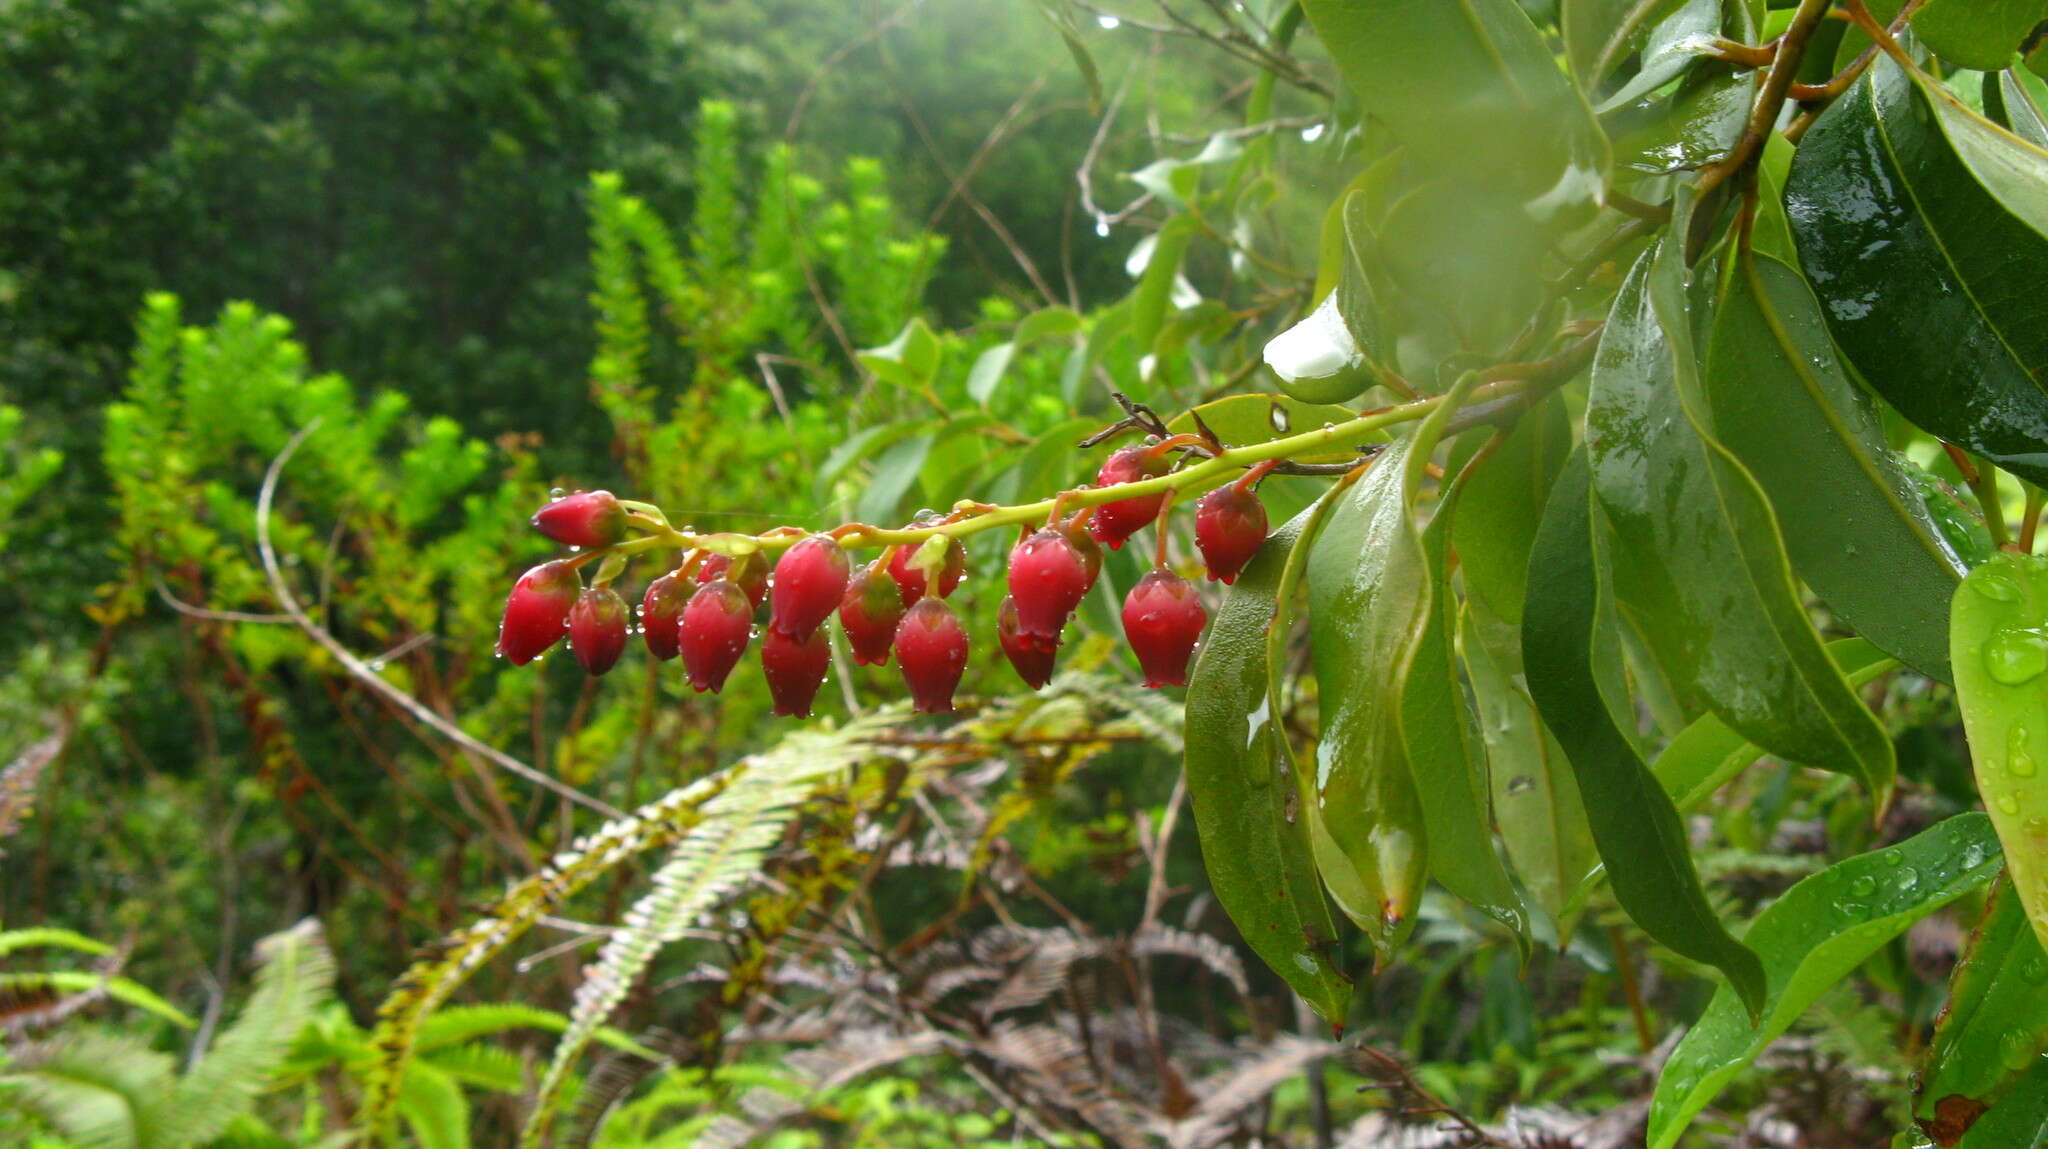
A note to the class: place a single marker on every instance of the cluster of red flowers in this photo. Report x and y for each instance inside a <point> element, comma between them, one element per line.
<point>895,604</point>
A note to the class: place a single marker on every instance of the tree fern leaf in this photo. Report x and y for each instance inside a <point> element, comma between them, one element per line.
<point>101,1091</point>
<point>483,1066</point>
<point>434,1108</point>
<point>722,853</point>
<point>297,972</point>
<point>121,989</point>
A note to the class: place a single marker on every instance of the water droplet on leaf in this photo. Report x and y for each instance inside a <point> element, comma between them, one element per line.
<point>2016,655</point>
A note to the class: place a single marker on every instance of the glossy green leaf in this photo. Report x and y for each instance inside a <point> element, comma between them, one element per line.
<point>1980,34</point>
<point>1669,45</point>
<point>1699,565</point>
<point>1472,90</point>
<point>1810,939</point>
<point>1696,125</point>
<point>1919,223</point>
<point>1155,286</point>
<point>1239,420</point>
<point>1771,233</point>
<point>1994,1026</point>
<point>2018,99</point>
<point>1536,801</point>
<point>1046,323</point>
<point>1247,796</point>
<point>987,372</point>
<point>895,470</point>
<point>1328,356</point>
<point>1635,827</point>
<point>1707,753</point>
<point>1445,750</point>
<point>1600,34</point>
<point>1500,503</point>
<point>1462,268</point>
<point>1783,404</point>
<point>909,360</point>
<point>1371,591</point>
<point>2000,631</point>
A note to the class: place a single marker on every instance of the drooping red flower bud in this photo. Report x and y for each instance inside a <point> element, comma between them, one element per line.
<point>661,612</point>
<point>1163,618</point>
<point>1230,523</point>
<point>869,611</point>
<point>717,625</point>
<point>752,577</point>
<point>795,669</point>
<point>537,610</point>
<point>584,519</point>
<point>1048,578</point>
<point>1028,654</point>
<point>597,629</point>
<point>910,578</point>
<point>931,650</point>
<point>1115,522</point>
<point>810,580</point>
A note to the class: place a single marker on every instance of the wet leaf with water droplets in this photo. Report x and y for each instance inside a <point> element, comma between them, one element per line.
<point>1999,646</point>
<point>1916,219</point>
<point>1810,939</point>
<point>1994,1027</point>
<point>1244,788</point>
<point>1699,563</point>
<point>1635,827</point>
<point>1785,407</point>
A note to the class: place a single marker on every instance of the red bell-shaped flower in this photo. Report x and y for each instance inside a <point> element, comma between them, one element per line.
<point>1115,522</point>
<point>537,610</point>
<point>584,519</point>
<point>931,650</point>
<point>597,629</point>
<point>661,612</point>
<point>869,611</point>
<point>717,625</point>
<point>795,669</point>
<point>1230,524</point>
<point>1031,658</point>
<point>809,582</point>
<point>1048,578</point>
<point>1163,619</point>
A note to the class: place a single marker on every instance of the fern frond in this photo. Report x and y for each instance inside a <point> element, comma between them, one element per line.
<point>1226,1095</point>
<point>1223,961</point>
<point>296,974</point>
<point>434,1108</point>
<point>99,1090</point>
<point>18,780</point>
<point>720,854</point>
<point>11,940</point>
<point>484,1066</point>
<point>121,989</point>
<point>429,981</point>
